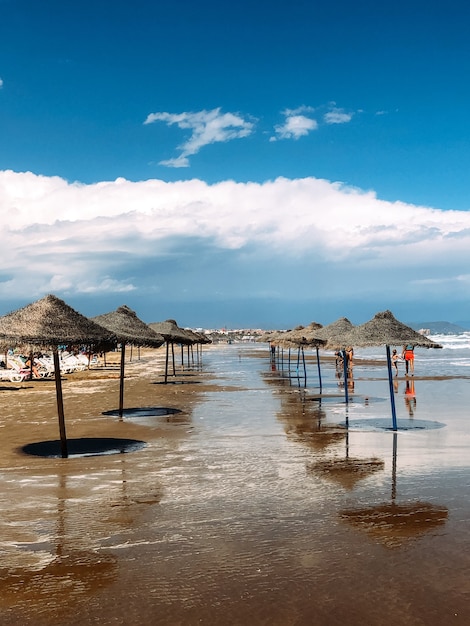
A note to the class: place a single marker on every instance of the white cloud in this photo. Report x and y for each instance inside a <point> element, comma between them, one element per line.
<point>337,116</point>
<point>206,127</point>
<point>295,124</point>
<point>1,83</point>
<point>289,236</point>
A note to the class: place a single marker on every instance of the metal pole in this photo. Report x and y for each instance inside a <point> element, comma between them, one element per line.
<point>319,369</point>
<point>305,368</point>
<point>345,370</point>
<point>60,404</point>
<point>394,467</point>
<point>121,381</point>
<point>390,382</point>
<point>166,361</point>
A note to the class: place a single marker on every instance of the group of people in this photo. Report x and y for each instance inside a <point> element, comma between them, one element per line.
<point>408,356</point>
<point>348,353</point>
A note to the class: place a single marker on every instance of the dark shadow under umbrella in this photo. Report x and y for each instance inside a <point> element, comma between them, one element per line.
<point>47,324</point>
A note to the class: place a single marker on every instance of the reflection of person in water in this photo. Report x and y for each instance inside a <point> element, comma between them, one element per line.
<point>410,397</point>
<point>350,380</point>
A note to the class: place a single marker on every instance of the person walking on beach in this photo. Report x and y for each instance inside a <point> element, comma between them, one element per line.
<point>409,356</point>
<point>395,359</point>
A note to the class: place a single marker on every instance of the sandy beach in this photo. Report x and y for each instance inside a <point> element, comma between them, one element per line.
<point>254,500</point>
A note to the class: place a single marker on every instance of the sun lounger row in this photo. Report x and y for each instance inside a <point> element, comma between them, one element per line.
<point>17,368</point>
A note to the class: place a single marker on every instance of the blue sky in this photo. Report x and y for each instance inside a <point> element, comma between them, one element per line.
<point>247,164</point>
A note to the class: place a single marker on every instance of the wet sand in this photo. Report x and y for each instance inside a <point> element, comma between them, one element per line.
<point>252,503</point>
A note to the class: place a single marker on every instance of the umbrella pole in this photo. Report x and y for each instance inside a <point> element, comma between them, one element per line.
<point>173,358</point>
<point>121,381</point>
<point>345,369</point>
<point>166,361</point>
<point>305,368</point>
<point>60,404</point>
<point>319,369</point>
<point>394,467</point>
<point>390,382</point>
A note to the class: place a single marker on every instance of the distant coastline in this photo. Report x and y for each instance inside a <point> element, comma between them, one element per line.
<point>441,328</point>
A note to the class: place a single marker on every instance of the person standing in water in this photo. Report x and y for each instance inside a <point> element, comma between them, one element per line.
<point>395,359</point>
<point>409,356</point>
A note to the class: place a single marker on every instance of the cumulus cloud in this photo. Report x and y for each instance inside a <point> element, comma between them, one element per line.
<point>206,127</point>
<point>1,83</point>
<point>189,239</point>
<point>337,116</point>
<point>296,124</point>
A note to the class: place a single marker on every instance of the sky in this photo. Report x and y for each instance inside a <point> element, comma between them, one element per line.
<point>255,164</point>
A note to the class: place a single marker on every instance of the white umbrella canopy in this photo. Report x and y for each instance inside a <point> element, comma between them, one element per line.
<point>49,323</point>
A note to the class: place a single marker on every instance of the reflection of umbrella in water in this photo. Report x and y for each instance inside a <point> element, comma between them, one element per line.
<point>347,471</point>
<point>49,323</point>
<point>393,524</point>
<point>304,422</point>
<point>385,329</point>
<point>128,329</point>
<point>70,572</point>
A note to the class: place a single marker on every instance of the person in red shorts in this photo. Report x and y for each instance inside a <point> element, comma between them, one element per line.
<point>408,355</point>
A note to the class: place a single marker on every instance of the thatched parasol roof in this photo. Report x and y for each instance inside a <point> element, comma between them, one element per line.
<point>51,322</point>
<point>385,329</point>
<point>299,338</point>
<point>172,333</point>
<point>197,337</point>
<point>335,332</point>
<point>128,328</point>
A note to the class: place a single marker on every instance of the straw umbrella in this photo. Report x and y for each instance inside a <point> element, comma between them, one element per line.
<point>128,329</point>
<point>385,329</point>
<point>302,337</point>
<point>172,334</point>
<point>47,324</point>
<point>335,332</point>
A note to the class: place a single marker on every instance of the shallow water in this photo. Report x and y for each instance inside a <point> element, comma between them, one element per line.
<point>256,506</point>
